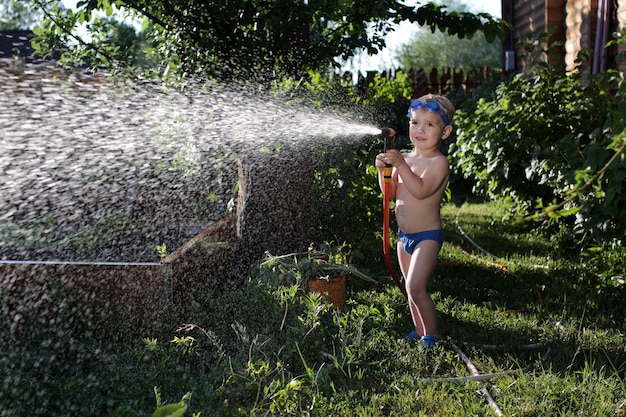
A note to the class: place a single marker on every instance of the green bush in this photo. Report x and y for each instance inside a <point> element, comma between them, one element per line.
<point>545,141</point>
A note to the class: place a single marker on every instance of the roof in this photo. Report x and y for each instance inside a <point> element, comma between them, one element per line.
<point>16,43</point>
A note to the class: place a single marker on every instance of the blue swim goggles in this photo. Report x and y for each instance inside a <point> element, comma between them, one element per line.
<point>431,106</point>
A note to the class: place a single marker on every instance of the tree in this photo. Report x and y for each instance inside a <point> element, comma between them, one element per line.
<point>243,37</point>
<point>17,15</point>
<point>123,42</point>
<point>430,49</point>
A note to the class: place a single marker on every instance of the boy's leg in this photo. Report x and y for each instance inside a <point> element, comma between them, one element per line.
<point>417,269</point>
<point>404,259</point>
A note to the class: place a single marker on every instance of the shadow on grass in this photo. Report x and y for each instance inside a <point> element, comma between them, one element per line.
<point>485,285</point>
<point>565,307</point>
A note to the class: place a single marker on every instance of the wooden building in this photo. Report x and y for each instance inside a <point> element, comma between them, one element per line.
<point>576,25</point>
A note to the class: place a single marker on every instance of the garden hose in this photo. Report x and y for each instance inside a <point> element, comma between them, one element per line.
<point>503,268</point>
<point>389,135</point>
<point>481,378</point>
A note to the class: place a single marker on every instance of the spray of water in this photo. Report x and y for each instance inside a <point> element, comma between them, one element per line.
<point>91,173</point>
<point>83,159</point>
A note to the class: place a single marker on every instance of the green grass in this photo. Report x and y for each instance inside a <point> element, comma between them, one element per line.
<point>267,349</point>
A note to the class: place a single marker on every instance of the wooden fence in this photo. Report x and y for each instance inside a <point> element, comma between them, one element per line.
<point>434,81</point>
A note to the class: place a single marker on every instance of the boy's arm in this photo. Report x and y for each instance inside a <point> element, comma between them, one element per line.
<point>429,182</point>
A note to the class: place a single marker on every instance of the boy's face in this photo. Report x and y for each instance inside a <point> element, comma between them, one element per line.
<point>426,129</point>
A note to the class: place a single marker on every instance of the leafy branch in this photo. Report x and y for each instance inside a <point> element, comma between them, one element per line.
<point>66,26</point>
<point>551,211</point>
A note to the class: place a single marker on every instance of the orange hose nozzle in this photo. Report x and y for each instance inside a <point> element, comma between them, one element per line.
<point>387,132</point>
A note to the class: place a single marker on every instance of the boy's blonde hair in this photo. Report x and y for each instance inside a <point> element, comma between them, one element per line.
<point>443,101</point>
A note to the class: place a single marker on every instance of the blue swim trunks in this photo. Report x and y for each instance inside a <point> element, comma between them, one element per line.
<point>411,240</point>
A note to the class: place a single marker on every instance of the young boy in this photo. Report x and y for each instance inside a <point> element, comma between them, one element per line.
<point>418,182</point>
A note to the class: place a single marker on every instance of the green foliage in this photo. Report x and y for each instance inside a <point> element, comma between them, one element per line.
<point>170,410</point>
<point>609,260</point>
<point>387,100</point>
<point>109,42</point>
<point>243,39</point>
<point>17,15</point>
<point>265,349</point>
<point>427,49</point>
<point>324,263</point>
<point>128,45</point>
<point>36,233</point>
<point>161,250</point>
<point>552,142</point>
<point>345,196</point>
<point>107,234</point>
<point>111,228</point>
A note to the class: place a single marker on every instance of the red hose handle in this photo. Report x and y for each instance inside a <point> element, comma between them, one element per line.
<point>386,217</point>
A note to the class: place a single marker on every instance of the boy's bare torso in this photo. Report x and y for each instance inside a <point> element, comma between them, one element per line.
<point>418,214</point>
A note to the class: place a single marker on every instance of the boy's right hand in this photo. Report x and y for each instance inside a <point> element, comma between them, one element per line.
<point>380,161</point>
<point>392,157</point>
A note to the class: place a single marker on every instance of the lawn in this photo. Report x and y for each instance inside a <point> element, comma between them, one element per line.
<point>540,320</point>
